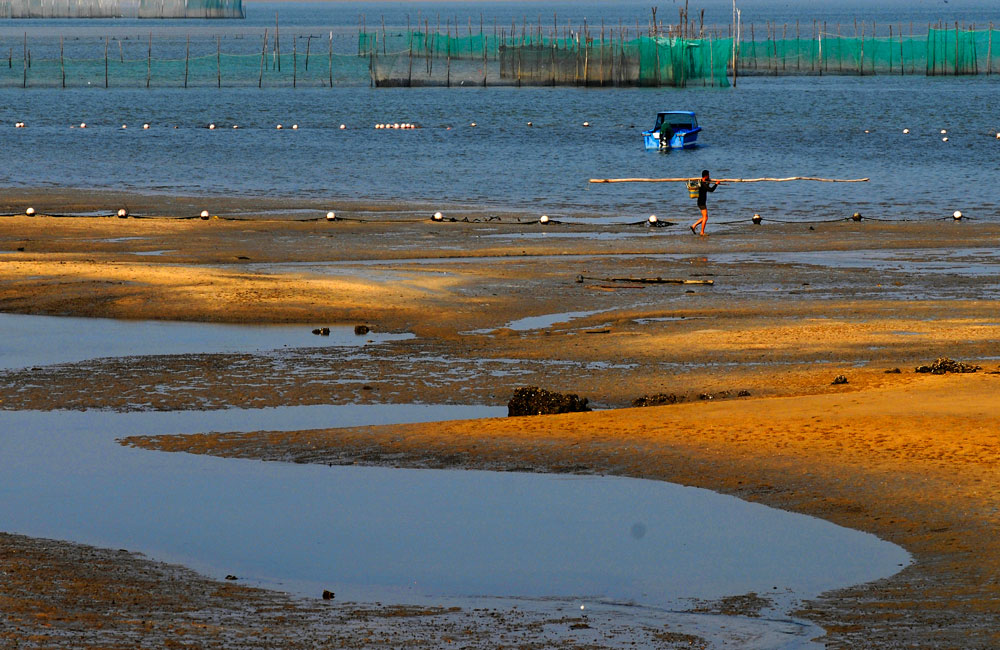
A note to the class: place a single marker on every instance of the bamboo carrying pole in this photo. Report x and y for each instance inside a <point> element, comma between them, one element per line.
<point>729,180</point>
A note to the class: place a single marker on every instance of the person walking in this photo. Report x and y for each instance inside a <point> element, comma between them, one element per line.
<point>704,187</point>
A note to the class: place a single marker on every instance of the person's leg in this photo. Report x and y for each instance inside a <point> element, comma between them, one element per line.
<point>700,222</point>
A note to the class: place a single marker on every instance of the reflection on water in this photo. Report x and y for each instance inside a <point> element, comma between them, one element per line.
<point>44,340</point>
<point>393,534</point>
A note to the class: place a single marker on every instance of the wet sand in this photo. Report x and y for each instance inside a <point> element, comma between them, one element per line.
<point>908,457</point>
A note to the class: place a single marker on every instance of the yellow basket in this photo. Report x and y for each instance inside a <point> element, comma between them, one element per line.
<point>693,187</point>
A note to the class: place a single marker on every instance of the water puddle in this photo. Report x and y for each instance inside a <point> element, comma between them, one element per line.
<point>414,536</point>
<point>666,319</point>
<point>151,253</point>
<point>45,340</point>
<point>425,532</point>
<point>600,236</point>
<point>548,320</point>
<point>966,262</point>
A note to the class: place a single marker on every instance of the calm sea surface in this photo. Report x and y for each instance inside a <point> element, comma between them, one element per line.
<point>844,127</point>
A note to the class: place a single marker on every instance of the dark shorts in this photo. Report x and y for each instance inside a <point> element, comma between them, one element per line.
<point>702,206</point>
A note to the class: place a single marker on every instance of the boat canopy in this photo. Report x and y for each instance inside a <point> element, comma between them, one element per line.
<point>676,120</point>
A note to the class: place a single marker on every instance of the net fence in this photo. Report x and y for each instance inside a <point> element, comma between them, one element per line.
<point>421,59</point>
<point>425,58</point>
<point>941,51</point>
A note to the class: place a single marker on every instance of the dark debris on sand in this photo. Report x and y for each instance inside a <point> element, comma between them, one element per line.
<point>945,365</point>
<point>532,400</point>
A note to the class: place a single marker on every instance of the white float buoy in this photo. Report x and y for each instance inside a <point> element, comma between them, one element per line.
<point>331,216</point>
<point>943,131</point>
<point>204,214</point>
<point>906,131</point>
<point>295,126</point>
<point>652,218</point>
<point>756,218</point>
<point>998,136</point>
<point>343,126</point>
<point>30,212</point>
<point>957,215</point>
<point>122,213</point>
<point>473,124</point>
<point>211,127</point>
<point>124,126</point>
<point>438,216</point>
<point>279,127</point>
<point>145,126</point>
<point>83,125</point>
<point>586,124</point>
<point>944,139</point>
<point>530,124</point>
<point>544,219</point>
<point>867,131</point>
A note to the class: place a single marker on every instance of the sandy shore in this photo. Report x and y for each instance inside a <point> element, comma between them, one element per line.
<point>909,457</point>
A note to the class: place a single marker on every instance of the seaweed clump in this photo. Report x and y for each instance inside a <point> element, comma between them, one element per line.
<point>945,365</point>
<point>532,400</point>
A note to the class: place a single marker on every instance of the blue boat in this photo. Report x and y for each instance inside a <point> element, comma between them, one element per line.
<point>673,130</point>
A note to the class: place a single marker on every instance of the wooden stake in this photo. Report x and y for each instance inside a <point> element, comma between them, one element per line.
<point>187,56</point>
<point>149,59</point>
<point>989,52</point>
<point>106,43</point>
<point>62,66</point>
<point>331,59</point>
<point>218,61</point>
<point>263,54</point>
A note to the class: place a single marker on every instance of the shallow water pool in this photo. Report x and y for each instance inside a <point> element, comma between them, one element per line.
<point>43,340</point>
<point>408,535</point>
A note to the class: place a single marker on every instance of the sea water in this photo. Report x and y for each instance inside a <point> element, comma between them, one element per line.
<point>831,126</point>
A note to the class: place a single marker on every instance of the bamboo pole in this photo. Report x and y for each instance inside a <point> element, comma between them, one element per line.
<point>902,62</point>
<point>309,43</point>
<point>218,61</point>
<point>62,65</point>
<point>730,180</point>
<point>263,55</point>
<point>187,57</point>
<point>149,59</point>
<point>331,59</point>
<point>989,52</point>
<point>106,43</point>
<point>295,61</point>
